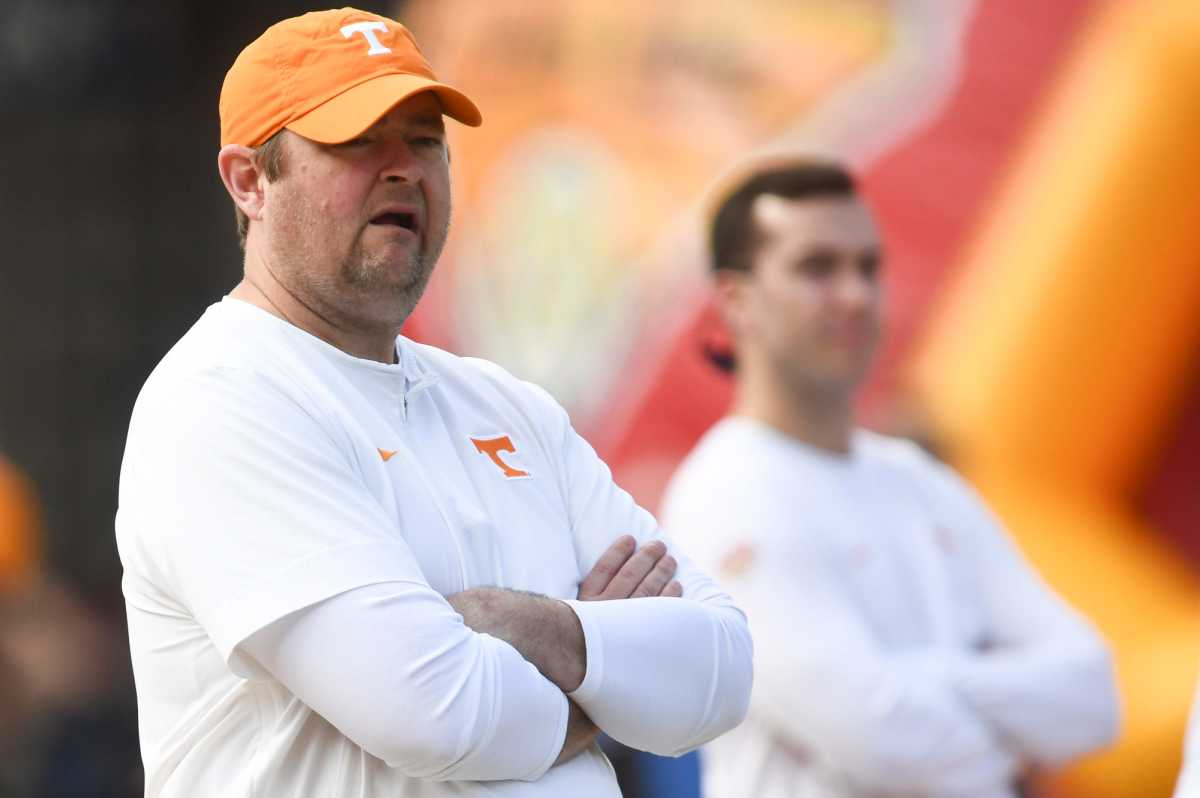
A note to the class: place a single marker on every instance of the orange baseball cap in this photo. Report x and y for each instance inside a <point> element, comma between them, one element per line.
<point>328,75</point>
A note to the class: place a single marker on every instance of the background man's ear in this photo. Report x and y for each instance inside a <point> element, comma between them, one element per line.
<point>731,298</point>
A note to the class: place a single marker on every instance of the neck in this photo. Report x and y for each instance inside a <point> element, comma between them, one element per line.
<point>819,417</point>
<point>261,287</point>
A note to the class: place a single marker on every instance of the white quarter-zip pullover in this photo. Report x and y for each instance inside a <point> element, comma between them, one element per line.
<point>283,502</point>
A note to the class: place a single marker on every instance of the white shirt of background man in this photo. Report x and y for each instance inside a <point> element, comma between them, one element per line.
<point>902,645</point>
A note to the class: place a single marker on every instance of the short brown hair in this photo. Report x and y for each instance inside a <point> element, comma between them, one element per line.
<point>269,156</point>
<point>734,238</point>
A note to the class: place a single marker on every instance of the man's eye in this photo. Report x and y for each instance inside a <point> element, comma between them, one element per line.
<point>427,141</point>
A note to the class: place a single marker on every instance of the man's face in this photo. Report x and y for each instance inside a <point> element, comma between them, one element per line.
<point>353,230</point>
<point>810,306</point>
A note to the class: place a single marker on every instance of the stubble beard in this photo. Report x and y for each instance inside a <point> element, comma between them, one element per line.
<point>373,279</point>
<point>366,291</point>
<point>370,280</point>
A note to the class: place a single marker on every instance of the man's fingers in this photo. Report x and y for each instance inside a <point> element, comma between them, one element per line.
<point>657,579</point>
<point>606,567</point>
<point>624,571</point>
<point>635,569</point>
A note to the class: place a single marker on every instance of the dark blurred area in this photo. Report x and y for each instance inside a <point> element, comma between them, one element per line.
<point>117,234</point>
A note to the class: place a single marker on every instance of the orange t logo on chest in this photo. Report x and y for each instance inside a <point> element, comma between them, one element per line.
<point>492,448</point>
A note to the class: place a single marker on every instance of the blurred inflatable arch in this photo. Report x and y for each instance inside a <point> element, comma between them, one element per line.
<point>1065,355</point>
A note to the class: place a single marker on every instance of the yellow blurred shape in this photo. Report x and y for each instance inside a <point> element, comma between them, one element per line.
<point>1059,364</point>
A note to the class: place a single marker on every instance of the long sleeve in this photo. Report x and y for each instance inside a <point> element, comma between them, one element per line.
<point>394,669</point>
<point>880,720</point>
<point>1045,677</point>
<point>663,675</point>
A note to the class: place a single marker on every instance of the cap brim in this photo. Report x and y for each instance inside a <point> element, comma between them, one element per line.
<point>350,113</point>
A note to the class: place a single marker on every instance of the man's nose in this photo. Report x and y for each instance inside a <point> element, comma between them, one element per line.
<point>855,290</point>
<point>401,165</point>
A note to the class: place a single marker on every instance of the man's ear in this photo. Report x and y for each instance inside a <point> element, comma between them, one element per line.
<point>731,288</point>
<point>242,178</point>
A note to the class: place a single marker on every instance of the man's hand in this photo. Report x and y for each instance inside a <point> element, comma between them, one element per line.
<point>625,571</point>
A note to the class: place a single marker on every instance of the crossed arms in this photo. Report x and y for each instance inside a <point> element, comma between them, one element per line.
<point>548,633</point>
<point>930,721</point>
<point>935,720</point>
<point>317,589</point>
<point>439,720</point>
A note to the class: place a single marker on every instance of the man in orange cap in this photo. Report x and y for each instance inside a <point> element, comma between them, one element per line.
<point>356,565</point>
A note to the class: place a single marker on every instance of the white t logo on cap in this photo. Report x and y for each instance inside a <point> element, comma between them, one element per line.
<point>367,29</point>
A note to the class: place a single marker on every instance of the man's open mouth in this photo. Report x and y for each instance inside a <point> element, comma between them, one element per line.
<point>398,219</point>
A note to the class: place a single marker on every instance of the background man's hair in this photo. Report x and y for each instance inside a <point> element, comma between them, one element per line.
<point>269,157</point>
<point>734,237</point>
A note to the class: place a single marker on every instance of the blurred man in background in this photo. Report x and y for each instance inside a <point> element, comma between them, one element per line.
<point>903,645</point>
<point>351,560</point>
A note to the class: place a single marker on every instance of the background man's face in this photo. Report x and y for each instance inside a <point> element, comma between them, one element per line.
<point>354,229</point>
<point>811,305</point>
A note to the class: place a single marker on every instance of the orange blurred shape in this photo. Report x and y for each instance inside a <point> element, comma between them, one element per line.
<point>20,527</point>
